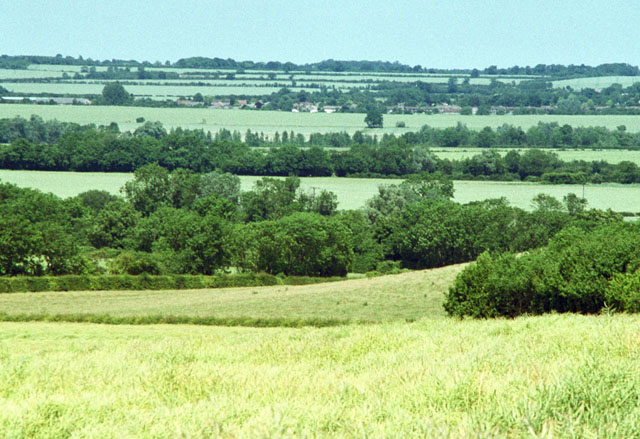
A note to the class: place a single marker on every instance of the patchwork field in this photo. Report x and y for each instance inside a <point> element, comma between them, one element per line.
<point>608,155</point>
<point>352,192</point>
<point>597,82</point>
<point>306,123</point>
<point>152,91</point>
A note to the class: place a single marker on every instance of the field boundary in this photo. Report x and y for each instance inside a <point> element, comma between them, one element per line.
<point>34,284</point>
<point>251,322</point>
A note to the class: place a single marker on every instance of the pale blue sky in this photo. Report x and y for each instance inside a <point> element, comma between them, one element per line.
<point>432,33</point>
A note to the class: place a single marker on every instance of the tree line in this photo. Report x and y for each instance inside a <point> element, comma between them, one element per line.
<point>329,65</point>
<point>188,223</point>
<point>70,147</point>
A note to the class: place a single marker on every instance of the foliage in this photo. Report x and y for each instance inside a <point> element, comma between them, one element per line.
<point>373,119</point>
<point>114,93</point>
<point>623,292</point>
<point>304,244</point>
<point>571,274</point>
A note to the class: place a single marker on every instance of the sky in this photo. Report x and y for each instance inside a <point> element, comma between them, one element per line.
<point>431,33</point>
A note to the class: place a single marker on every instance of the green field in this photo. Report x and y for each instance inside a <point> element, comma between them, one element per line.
<point>28,74</point>
<point>155,91</point>
<point>597,82</point>
<point>608,155</point>
<point>352,192</point>
<point>305,123</point>
<point>407,296</point>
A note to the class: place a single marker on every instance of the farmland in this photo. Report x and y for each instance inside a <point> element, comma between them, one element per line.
<point>407,296</point>
<point>566,376</point>
<point>305,123</point>
<point>608,155</point>
<point>352,192</point>
<point>598,82</point>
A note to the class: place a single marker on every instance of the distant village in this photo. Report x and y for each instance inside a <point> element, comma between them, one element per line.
<point>301,107</point>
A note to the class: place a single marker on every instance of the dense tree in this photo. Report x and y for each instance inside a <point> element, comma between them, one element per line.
<point>114,93</point>
<point>300,244</point>
<point>373,119</point>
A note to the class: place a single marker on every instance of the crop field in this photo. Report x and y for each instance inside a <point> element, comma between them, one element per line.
<point>155,91</point>
<point>352,193</point>
<point>28,74</point>
<point>306,123</point>
<point>597,82</point>
<point>62,68</point>
<point>561,376</point>
<point>608,155</point>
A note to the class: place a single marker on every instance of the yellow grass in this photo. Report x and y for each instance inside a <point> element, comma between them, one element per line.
<point>560,376</point>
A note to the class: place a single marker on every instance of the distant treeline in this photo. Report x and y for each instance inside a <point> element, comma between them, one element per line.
<point>542,135</point>
<point>329,65</point>
<point>68,147</point>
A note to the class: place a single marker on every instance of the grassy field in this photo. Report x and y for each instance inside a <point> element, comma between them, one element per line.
<point>155,91</point>
<point>560,376</point>
<point>28,74</point>
<point>305,123</point>
<point>598,82</point>
<point>608,155</point>
<point>407,296</point>
<point>352,192</point>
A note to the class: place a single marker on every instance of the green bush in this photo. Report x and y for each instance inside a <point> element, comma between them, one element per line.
<point>623,292</point>
<point>130,262</point>
<point>578,271</point>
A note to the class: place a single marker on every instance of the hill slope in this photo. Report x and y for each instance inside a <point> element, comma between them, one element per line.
<point>406,296</point>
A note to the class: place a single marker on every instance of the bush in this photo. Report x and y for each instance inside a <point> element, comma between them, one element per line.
<point>623,292</point>
<point>492,287</point>
<point>134,263</point>
<point>578,271</point>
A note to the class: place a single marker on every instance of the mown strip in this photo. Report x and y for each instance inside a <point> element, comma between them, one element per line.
<point>178,320</point>
<point>148,282</point>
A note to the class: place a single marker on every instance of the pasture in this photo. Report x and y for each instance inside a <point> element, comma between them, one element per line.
<point>352,193</point>
<point>152,91</point>
<point>561,376</point>
<point>407,296</point>
<point>269,122</point>
<point>608,155</point>
<point>597,82</point>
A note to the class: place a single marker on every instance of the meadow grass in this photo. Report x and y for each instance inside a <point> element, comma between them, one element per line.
<point>269,122</point>
<point>352,193</point>
<point>560,376</point>
<point>407,296</point>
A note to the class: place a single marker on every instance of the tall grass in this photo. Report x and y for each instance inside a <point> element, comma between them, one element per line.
<point>560,376</point>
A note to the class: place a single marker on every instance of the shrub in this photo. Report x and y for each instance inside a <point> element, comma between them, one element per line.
<point>623,292</point>
<point>134,263</point>
<point>578,271</point>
